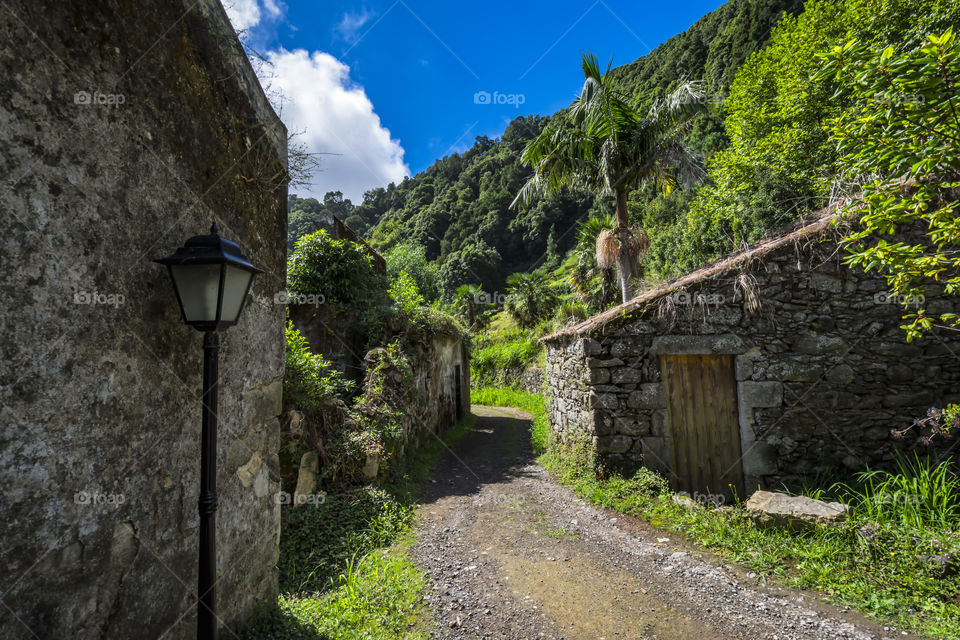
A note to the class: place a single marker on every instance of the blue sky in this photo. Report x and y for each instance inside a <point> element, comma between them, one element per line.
<point>389,86</point>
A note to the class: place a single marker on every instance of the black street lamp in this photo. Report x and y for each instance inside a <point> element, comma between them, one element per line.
<point>211,278</point>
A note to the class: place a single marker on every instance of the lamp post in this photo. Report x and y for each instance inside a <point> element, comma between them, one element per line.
<point>211,278</point>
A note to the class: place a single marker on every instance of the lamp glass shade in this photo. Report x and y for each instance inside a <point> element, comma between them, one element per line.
<point>236,281</point>
<point>198,287</point>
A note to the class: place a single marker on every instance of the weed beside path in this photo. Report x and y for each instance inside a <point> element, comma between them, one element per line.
<point>345,568</point>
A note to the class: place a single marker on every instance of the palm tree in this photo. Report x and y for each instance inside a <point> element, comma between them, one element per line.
<point>530,297</point>
<point>469,301</point>
<point>602,144</point>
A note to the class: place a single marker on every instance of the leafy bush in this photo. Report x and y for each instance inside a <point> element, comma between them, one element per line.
<point>411,259</point>
<point>340,270</point>
<point>309,380</point>
<point>405,293</point>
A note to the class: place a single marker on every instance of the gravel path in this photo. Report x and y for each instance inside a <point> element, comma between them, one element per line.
<point>513,555</point>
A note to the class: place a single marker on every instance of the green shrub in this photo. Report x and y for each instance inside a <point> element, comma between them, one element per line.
<point>411,259</point>
<point>309,379</point>
<point>339,270</point>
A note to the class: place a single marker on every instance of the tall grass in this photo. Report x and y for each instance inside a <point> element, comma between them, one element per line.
<point>919,494</point>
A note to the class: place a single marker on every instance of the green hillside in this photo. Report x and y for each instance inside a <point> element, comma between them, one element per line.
<point>458,208</point>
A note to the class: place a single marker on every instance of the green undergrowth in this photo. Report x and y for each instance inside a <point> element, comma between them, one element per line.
<point>345,568</point>
<point>532,403</point>
<point>501,356</point>
<point>895,558</point>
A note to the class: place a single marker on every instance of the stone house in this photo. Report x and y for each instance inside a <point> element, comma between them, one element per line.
<point>126,129</point>
<point>773,364</point>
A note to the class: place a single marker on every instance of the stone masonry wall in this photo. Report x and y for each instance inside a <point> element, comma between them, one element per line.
<point>823,370</point>
<point>125,128</point>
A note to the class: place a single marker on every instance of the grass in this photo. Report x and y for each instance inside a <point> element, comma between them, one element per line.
<point>504,353</point>
<point>893,559</point>
<point>345,568</point>
<point>532,403</point>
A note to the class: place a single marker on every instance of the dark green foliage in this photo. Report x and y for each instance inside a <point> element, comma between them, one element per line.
<point>458,210</point>
<point>530,297</point>
<point>339,270</point>
<point>781,164</point>
<point>711,50</point>
<point>303,215</point>
<point>309,380</point>
<point>318,539</point>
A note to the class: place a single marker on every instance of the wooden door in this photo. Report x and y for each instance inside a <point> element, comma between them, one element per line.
<point>701,395</point>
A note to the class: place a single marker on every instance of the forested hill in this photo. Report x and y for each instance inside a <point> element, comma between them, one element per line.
<point>712,51</point>
<point>458,208</point>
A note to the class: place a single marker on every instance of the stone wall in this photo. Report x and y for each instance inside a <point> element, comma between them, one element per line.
<point>127,128</point>
<point>437,403</point>
<point>823,370</point>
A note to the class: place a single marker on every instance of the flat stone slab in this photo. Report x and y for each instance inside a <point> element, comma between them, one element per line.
<point>768,508</point>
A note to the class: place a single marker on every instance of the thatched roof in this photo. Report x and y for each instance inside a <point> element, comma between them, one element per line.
<point>814,224</point>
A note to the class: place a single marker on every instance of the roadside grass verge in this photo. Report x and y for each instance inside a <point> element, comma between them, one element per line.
<point>345,568</point>
<point>896,558</point>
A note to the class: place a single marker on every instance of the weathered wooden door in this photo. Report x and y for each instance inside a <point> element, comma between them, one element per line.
<point>704,423</point>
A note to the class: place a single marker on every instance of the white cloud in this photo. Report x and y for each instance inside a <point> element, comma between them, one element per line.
<point>351,22</point>
<point>246,14</point>
<point>243,14</point>
<point>336,117</point>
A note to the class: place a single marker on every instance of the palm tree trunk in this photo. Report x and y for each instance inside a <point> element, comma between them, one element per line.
<point>625,267</point>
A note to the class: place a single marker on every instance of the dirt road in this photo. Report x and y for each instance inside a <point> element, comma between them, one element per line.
<point>512,555</point>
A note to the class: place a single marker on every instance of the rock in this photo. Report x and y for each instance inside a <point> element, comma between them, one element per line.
<point>768,508</point>
<point>625,375</point>
<point>614,444</point>
<point>685,501</point>
<point>306,477</point>
<point>943,565</point>
<point>371,467</point>
<point>648,396</point>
